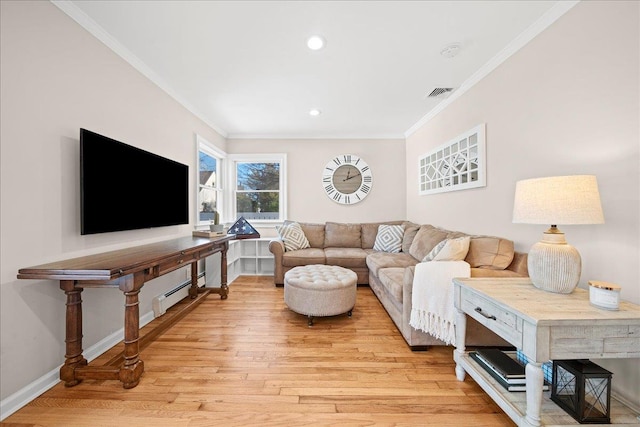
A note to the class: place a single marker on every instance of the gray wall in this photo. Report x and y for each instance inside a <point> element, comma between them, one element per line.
<point>306,159</point>
<point>57,78</point>
<point>567,103</point>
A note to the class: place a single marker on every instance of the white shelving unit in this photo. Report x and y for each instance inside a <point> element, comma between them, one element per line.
<point>249,257</point>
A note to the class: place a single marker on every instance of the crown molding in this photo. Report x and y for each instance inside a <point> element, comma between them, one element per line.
<point>75,13</point>
<point>551,16</point>
<point>316,136</point>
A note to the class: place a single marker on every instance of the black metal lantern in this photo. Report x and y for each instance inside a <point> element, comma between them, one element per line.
<point>583,390</point>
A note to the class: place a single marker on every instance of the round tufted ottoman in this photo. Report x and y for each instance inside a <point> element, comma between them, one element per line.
<point>320,290</point>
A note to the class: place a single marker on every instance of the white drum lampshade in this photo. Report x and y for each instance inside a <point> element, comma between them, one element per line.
<point>554,265</point>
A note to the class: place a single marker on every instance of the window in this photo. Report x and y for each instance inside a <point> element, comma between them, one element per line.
<point>259,190</point>
<point>210,186</point>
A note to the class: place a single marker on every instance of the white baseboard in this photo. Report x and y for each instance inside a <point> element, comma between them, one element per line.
<point>25,395</point>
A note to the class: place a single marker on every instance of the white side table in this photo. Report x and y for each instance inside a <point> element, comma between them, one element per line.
<point>545,326</point>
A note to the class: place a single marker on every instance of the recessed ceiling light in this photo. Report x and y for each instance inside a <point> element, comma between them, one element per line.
<point>315,42</point>
<point>314,112</point>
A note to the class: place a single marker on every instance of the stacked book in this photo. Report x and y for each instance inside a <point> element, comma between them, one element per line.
<point>207,233</point>
<point>506,370</point>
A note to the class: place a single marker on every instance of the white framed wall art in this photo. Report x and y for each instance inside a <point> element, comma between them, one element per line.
<point>456,165</point>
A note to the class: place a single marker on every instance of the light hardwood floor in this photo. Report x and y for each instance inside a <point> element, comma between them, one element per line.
<point>249,360</point>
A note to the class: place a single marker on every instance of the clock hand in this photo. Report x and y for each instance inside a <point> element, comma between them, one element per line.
<point>348,172</point>
<point>349,177</point>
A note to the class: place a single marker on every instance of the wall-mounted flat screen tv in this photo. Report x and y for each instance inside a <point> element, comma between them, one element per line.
<point>125,188</point>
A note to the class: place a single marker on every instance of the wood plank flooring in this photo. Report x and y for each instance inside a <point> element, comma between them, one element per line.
<point>249,360</point>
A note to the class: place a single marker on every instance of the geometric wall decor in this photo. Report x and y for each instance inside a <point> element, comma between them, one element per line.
<point>456,165</point>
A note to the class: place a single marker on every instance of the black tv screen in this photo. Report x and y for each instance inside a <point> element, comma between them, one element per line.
<point>126,188</point>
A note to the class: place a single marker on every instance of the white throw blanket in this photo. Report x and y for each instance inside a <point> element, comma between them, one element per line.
<point>432,301</point>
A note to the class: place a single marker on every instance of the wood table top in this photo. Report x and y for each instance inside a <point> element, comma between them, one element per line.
<point>539,307</point>
<point>111,264</point>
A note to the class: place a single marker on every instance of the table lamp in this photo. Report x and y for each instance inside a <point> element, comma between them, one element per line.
<point>553,264</point>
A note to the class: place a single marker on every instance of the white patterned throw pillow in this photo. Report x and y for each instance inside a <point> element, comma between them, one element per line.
<point>449,250</point>
<point>389,238</point>
<point>293,237</point>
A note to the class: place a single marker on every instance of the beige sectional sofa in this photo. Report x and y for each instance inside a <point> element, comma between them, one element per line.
<point>390,275</point>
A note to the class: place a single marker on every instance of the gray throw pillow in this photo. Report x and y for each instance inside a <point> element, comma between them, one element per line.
<point>389,238</point>
<point>293,237</point>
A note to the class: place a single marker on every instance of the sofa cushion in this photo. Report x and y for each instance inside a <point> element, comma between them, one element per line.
<point>303,257</point>
<point>449,250</point>
<point>410,231</point>
<point>389,238</point>
<point>314,233</point>
<point>292,236</point>
<point>489,252</point>
<point>426,239</point>
<point>378,260</point>
<point>338,235</point>
<point>392,279</point>
<point>346,257</point>
<point>368,233</point>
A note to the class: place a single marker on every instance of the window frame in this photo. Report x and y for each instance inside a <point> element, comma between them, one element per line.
<point>233,160</point>
<point>202,145</point>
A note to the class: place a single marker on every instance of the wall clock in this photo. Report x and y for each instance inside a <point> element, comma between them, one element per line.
<point>347,179</point>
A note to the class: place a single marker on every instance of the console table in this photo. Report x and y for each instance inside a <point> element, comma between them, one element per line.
<point>128,270</point>
<point>545,326</point>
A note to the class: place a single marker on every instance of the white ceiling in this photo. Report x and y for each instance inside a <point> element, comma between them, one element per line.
<point>244,68</point>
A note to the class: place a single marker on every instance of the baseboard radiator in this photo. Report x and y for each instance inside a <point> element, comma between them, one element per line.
<point>163,302</point>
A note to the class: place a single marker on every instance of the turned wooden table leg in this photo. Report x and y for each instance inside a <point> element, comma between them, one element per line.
<point>132,368</point>
<point>73,356</point>
<point>193,290</point>
<point>224,289</point>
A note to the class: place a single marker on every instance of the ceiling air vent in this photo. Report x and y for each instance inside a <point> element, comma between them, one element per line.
<point>439,91</point>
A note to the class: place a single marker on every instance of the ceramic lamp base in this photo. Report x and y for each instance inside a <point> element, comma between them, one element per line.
<point>554,265</point>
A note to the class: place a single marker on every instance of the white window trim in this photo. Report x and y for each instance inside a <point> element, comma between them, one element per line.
<point>203,145</point>
<point>230,191</point>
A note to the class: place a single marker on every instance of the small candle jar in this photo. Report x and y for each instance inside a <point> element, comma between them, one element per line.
<point>604,295</point>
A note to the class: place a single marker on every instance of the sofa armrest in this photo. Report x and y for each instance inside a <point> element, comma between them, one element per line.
<point>276,247</point>
<point>519,263</point>
<point>408,277</point>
